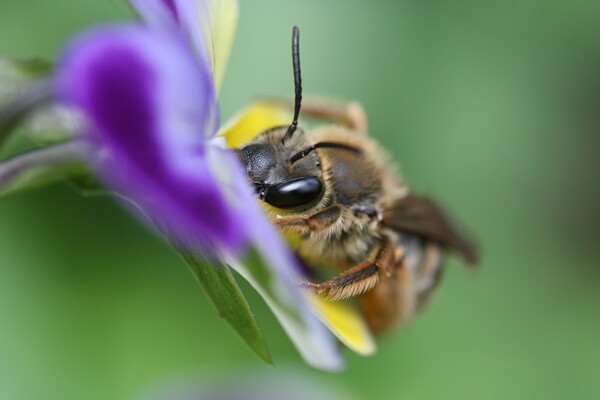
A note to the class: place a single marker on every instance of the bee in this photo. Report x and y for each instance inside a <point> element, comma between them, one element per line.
<point>334,189</point>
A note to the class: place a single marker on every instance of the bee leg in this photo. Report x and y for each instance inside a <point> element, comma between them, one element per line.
<point>351,115</point>
<point>361,278</point>
<point>316,222</point>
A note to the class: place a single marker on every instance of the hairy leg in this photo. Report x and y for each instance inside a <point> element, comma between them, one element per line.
<point>363,277</point>
<point>316,222</point>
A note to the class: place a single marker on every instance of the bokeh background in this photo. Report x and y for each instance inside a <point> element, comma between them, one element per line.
<point>490,106</point>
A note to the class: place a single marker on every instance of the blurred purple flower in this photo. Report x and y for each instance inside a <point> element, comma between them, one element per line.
<point>148,93</point>
<point>150,105</point>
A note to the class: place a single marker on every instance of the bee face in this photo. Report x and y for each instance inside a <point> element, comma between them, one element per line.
<point>278,180</point>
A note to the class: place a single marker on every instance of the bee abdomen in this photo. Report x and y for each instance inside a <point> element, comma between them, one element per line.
<point>396,298</point>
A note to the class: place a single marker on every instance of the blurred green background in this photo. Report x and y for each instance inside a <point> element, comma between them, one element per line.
<point>490,106</point>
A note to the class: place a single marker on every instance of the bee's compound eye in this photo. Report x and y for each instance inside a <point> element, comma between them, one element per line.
<point>295,192</point>
<point>258,159</point>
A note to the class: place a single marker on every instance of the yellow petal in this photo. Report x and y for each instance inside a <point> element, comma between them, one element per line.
<point>256,118</point>
<point>220,25</point>
<point>345,323</point>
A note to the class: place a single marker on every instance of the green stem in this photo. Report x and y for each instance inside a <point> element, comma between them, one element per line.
<point>41,165</point>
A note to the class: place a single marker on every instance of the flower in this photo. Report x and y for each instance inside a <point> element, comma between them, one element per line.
<point>148,93</point>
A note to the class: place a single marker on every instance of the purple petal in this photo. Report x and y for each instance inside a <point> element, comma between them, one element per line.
<point>207,25</point>
<point>179,17</point>
<point>158,14</point>
<point>149,105</point>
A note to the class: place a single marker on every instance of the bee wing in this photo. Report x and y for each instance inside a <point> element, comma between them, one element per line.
<point>421,216</point>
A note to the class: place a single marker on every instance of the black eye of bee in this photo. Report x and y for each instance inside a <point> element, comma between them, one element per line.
<point>294,193</point>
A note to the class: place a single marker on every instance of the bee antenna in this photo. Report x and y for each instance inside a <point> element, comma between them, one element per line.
<point>321,145</point>
<point>297,81</point>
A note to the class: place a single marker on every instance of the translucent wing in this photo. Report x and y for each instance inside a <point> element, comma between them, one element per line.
<point>421,216</point>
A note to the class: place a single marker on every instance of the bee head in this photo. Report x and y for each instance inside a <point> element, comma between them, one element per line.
<point>278,180</point>
<point>281,162</point>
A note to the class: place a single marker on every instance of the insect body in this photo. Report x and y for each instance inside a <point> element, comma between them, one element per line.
<point>334,189</point>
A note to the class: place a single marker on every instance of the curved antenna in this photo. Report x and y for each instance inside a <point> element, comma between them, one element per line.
<point>323,145</point>
<point>297,81</point>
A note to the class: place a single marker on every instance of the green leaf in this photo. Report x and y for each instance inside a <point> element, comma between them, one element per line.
<point>223,290</point>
